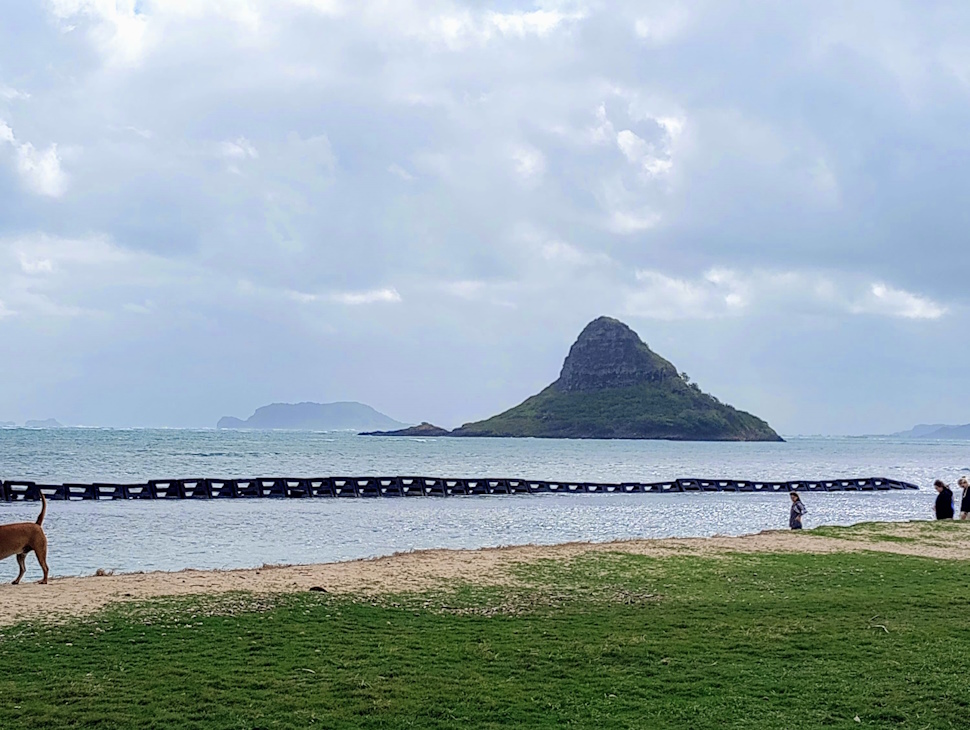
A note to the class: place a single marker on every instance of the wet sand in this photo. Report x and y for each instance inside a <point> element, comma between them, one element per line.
<point>429,569</point>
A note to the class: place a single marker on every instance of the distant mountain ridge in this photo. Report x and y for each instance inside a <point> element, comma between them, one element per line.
<point>936,431</point>
<point>339,416</point>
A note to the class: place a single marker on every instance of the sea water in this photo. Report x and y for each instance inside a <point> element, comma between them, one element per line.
<point>171,535</point>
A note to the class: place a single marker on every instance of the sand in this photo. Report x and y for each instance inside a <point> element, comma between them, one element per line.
<point>428,569</point>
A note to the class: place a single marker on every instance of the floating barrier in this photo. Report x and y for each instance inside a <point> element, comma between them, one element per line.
<point>410,486</point>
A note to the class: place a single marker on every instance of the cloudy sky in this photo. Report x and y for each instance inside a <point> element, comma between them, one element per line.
<point>209,205</point>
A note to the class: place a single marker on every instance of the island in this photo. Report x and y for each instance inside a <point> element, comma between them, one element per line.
<point>340,416</point>
<point>422,429</point>
<point>936,431</point>
<point>46,423</point>
<point>613,386</point>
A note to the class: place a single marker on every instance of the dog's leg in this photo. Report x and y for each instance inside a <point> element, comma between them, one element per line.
<point>41,552</point>
<point>22,562</point>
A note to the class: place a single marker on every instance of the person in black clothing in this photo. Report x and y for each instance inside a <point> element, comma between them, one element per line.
<point>944,501</point>
<point>798,509</point>
<point>965,499</point>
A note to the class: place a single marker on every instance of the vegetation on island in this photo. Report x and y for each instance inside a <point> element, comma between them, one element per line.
<point>677,410</point>
<point>608,640</point>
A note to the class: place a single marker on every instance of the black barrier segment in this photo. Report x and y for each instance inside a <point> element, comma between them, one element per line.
<point>367,487</point>
<point>81,491</point>
<point>497,486</point>
<point>53,492</point>
<point>517,486</point>
<point>475,486</point>
<point>297,488</point>
<point>247,488</point>
<point>18,491</point>
<point>538,487</point>
<point>320,487</point>
<point>111,491</point>
<point>631,487</point>
<point>167,488</point>
<point>222,488</point>
<point>389,487</point>
<point>589,487</point>
<point>196,489</point>
<point>455,487</point>
<point>609,488</point>
<point>411,487</point>
<point>271,488</point>
<point>432,487</point>
<point>688,485</point>
<point>344,487</point>
<point>707,485</point>
<point>139,491</point>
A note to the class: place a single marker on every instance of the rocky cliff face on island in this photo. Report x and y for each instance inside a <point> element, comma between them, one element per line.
<point>613,386</point>
<point>314,417</point>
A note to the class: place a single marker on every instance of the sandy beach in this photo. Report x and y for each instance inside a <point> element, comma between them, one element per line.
<point>430,569</point>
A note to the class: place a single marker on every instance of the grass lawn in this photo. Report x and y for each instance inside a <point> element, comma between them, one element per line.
<point>607,641</point>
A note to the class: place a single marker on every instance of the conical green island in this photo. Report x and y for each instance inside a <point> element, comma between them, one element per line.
<point>613,386</point>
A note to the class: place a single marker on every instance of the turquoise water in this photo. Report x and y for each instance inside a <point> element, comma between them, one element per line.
<point>130,536</point>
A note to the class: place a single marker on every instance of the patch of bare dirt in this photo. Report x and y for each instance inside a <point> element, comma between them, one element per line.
<point>430,569</point>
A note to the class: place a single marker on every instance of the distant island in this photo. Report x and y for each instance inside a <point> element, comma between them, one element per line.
<point>422,429</point>
<point>339,416</point>
<point>612,386</point>
<point>46,423</point>
<point>936,431</point>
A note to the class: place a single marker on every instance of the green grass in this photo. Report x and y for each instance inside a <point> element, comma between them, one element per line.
<point>607,641</point>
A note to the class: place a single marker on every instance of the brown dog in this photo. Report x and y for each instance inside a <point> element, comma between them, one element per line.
<point>22,537</point>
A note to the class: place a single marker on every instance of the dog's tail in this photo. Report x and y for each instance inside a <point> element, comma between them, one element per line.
<point>43,509</point>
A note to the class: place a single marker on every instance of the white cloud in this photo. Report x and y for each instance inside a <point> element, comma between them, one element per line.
<point>371,296</point>
<point>662,27</point>
<point>717,293</point>
<point>238,149</point>
<point>628,222</point>
<point>887,301</point>
<point>8,93</point>
<point>529,162</point>
<point>400,172</point>
<point>41,170</point>
<point>119,26</point>
<point>722,292</point>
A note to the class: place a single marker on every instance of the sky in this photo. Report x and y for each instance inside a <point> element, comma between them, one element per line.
<point>210,205</point>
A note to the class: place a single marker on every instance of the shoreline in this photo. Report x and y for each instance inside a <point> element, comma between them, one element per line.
<point>424,570</point>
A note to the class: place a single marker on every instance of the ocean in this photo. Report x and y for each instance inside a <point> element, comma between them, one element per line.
<point>163,535</point>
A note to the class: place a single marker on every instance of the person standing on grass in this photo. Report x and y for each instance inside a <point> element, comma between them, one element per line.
<point>944,501</point>
<point>798,508</point>
<point>965,499</point>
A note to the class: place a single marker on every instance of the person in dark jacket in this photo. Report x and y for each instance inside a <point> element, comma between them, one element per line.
<point>798,508</point>
<point>944,501</point>
<point>965,499</point>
